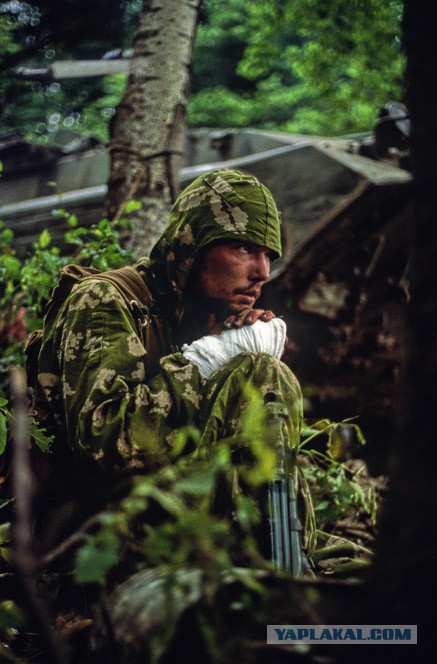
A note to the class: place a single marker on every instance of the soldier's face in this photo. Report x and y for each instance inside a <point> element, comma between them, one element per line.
<point>231,274</point>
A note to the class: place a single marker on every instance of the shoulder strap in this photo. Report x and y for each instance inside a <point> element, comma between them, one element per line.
<point>127,279</point>
<point>151,328</point>
<point>129,283</point>
<point>134,291</point>
<point>69,276</point>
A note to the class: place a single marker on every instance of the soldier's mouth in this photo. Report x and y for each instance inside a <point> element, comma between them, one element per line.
<point>250,292</point>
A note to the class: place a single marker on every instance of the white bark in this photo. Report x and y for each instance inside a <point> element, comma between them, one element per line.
<point>150,118</point>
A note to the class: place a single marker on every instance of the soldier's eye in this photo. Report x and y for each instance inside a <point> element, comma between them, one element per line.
<point>243,248</point>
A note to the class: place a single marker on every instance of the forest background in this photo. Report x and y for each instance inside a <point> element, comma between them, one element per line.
<point>318,67</point>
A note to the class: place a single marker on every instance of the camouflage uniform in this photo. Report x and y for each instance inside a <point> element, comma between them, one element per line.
<point>95,370</point>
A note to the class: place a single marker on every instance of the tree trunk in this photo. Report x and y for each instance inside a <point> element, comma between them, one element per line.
<point>148,129</point>
<point>404,584</point>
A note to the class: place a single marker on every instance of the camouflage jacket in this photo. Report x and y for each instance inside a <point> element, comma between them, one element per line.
<point>116,398</point>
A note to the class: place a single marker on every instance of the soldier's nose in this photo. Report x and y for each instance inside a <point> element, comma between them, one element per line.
<point>261,268</point>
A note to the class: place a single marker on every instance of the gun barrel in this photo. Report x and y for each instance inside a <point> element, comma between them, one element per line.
<point>285,526</point>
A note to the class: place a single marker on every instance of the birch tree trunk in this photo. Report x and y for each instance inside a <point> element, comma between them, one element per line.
<point>147,134</point>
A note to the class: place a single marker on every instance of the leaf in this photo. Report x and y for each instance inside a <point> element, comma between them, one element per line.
<point>96,557</point>
<point>308,431</point>
<point>10,616</point>
<point>43,441</point>
<point>5,532</point>
<point>132,206</point>
<point>222,457</point>
<point>335,445</point>
<point>323,505</point>
<point>7,235</point>
<point>3,433</point>
<point>58,212</point>
<point>247,512</point>
<point>168,501</point>
<point>321,425</point>
<point>44,239</point>
<point>72,220</point>
<point>199,484</point>
<point>359,434</point>
<point>12,266</point>
<point>185,437</point>
<point>253,420</point>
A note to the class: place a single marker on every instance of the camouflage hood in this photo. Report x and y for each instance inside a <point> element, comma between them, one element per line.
<point>222,205</point>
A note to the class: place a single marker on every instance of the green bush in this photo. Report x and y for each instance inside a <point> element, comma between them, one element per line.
<point>26,285</point>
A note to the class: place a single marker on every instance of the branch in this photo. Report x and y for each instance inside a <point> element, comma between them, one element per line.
<point>78,537</point>
<point>22,558</point>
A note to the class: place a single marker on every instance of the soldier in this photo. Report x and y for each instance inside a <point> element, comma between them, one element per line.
<point>121,377</point>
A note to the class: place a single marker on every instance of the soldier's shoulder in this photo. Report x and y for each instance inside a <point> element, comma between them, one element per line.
<point>91,293</point>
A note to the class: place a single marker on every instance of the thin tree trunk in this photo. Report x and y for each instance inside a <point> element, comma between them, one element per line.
<point>149,124</point>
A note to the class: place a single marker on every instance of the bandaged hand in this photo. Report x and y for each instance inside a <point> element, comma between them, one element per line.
<point>211,352</point>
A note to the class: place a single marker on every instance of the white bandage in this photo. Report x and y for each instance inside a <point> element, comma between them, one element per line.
<point>213,351</point>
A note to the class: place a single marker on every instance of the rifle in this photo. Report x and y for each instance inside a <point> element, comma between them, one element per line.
<point>284,523</point>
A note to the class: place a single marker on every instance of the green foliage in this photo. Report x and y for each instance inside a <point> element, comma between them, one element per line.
<point>26,285</point>
<point>221,40</point>
<point>39,436</point>
<point>308,67</point>
<point>334,488</point>
<point>335,433</point>
<point>95,116</point>
<point>314,67</point>
<point>10,618</point>
<point>7,47</point>
<point>36,432</point>
<point>168,518</point>
<point>4,416</point>
<point>99,555</point>
<point>167,521</point>
<point>338,493</point>
<point>39,109</point>
<point>99,246</point>
<point>256,433</point>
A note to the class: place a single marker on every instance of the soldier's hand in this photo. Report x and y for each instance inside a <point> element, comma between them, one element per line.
<point>245,317</point>
<point>248,317</point>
